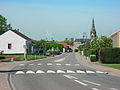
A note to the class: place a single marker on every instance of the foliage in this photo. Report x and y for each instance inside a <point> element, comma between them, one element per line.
<point>93,51</point>
<point>110,55</point>
<point>93,58</point>
<point>101,42</point>
<point>3,25</point>
<point>48,45</point>
<point>76,50</point>
<point>69,42</point>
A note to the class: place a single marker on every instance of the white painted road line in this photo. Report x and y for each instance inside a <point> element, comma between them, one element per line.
<point>19,72</point>
<point>51,71</point>
<point>60,60</point>
<point>79,71</point>
<point>40,71</point>
<point>114,89</point>
<point>31,64</point>
<point>70,77</point>
<point>100,72</point>
<point>70,71</point>
<point>30,72</point>
<point>95,89</point>
<point>92,83</point>
<point>49,64</point>
<point>21,64</point>
<point>60,71</point>
<point>58,64</point>
<point>39,64</point>
<point>67,64</point>
<point>90,72</point>
<point>80,82</point>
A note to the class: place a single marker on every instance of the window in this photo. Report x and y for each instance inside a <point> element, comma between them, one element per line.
<point>9,46</point>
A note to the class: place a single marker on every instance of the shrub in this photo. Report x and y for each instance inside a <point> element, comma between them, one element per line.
<point>110,55</point>
<point>76,50</point>
<point>93,58</point>
<point>93,51</point>
<point>84,51</point>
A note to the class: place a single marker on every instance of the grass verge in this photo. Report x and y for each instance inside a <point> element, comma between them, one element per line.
<point>116,66</point>
<point>29,57</point>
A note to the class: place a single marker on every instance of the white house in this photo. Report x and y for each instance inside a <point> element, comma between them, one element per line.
<point>14,42</point>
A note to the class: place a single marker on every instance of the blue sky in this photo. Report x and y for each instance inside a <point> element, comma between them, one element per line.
<point>58,19</point>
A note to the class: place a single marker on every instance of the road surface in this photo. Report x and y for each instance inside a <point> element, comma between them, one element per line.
<point>61,73</point>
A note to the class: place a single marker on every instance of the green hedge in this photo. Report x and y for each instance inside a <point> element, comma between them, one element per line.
<point>76,50</point>
<point>93,58</point>
<point>110,55</point>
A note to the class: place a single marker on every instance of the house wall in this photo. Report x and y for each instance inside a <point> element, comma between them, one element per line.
<point>116,40</point>
<point>16,41</point>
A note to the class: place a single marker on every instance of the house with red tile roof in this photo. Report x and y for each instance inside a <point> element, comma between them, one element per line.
<point>116,38</point>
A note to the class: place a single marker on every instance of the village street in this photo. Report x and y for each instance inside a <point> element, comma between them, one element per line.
<point>61,73</point>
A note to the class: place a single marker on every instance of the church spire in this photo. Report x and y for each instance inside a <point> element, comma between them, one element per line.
<point>93,30</point>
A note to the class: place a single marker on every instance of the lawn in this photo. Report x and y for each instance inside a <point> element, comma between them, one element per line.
<point>116,66</point>
<point>29,57</point>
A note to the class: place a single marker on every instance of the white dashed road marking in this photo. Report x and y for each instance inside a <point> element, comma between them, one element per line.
<point>80,82</point>
<point>40,71</point>
<point>39,64</point>
<point>70,71</point>
<point>60,60</point>
<point>21,64</point>
<point>30,72</point>
<point>79,71</point>
<point>67,64</point>
<point>90,72</point>
<point>92,83</point>
<point>95,89</point>
<point>49,64</point>
<point>114,89</point>
<point>58,64</point>
<point>70,77</point>
<point>50,71</point>
<point>31,64</point>
<point>60,71</point>
<point>19,72</point>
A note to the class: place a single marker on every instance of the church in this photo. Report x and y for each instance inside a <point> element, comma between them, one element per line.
<point>83,40</point>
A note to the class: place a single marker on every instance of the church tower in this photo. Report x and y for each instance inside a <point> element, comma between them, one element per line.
<point>93,30</point>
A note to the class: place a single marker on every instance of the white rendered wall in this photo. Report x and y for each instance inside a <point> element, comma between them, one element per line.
<point>17,43</point>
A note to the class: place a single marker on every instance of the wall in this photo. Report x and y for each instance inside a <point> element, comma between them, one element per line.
<point>16,41</point>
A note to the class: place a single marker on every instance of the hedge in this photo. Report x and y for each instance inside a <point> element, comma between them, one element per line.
<point>109,55</point>
<point>93,58</point>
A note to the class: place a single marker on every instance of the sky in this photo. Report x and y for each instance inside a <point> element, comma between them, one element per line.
<point>58,19</point>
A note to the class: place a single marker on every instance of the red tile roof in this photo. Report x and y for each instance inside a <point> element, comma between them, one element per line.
<point>115,33</point>
<point>65,44</point>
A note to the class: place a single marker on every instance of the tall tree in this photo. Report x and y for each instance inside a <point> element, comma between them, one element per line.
<point>3,25</point>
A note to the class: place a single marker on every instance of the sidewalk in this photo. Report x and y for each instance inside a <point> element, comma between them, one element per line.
<point>111,71</point>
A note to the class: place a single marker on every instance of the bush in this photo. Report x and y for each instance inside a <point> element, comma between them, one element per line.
<point>93,51</point>
<point>84,51</point>
<point>110,55</point>
<point>93,58</point>
<point>76,50</point>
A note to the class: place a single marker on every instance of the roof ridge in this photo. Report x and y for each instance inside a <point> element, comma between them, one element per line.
<point>21,34</point>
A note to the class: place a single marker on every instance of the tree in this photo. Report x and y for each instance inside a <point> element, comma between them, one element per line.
<point>101,42</point>
<point>3,25</point>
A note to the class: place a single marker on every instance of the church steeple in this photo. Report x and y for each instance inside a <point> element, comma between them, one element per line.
<point>93,30</point>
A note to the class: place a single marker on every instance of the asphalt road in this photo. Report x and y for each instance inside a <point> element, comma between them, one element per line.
<point>61,73</point>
